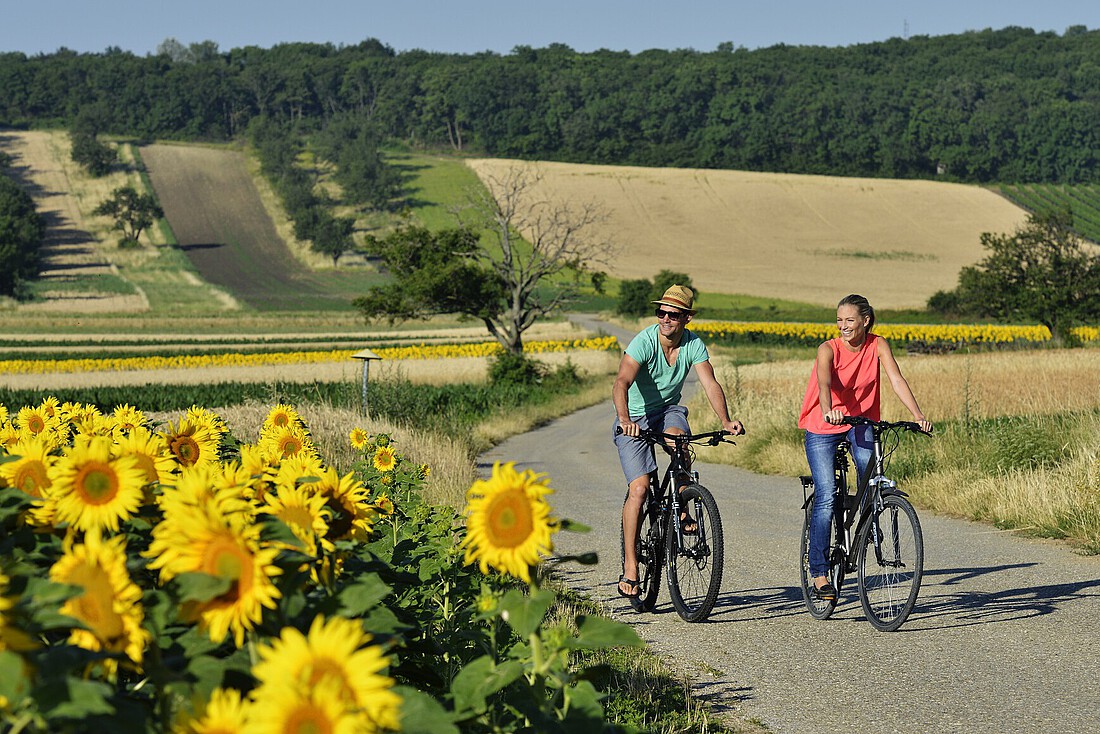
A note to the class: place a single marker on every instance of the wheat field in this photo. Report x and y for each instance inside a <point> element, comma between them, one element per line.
<point>796,237</point>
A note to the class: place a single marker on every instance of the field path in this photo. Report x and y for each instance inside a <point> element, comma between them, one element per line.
<point>1003,638</point>
<point>68,252</point>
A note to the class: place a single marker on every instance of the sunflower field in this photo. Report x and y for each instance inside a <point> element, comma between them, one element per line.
<point>914,337</point>
<point>174,578</point>
<point>252,359</point>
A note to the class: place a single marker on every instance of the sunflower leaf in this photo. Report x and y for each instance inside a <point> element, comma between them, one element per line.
<point>480,679</point>
<point>364,594</point>
<point>75,698</point>
<point>599,632</point>
<point>422,714</point>
<point>201,587</point>
<point>524,612</point>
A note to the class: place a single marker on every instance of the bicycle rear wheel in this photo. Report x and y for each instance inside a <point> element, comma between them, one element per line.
<point>890,559</point>
<point>650,552</point>
<point>695,568</point>
<point>819,608</point>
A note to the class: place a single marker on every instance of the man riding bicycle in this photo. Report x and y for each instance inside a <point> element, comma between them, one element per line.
<point>646,395</point>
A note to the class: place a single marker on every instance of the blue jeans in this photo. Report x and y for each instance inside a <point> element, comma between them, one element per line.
<point>820,452</point>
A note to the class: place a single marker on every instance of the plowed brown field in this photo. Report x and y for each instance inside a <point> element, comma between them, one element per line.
<point>804,238</point>
<point>220,222</point>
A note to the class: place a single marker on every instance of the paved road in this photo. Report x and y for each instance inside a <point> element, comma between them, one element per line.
<point>1005,636</point>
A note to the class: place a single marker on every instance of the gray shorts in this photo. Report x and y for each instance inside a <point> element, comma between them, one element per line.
<point>636,455</point>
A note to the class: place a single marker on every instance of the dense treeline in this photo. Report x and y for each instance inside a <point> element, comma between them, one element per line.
<point>1011,105</point>
<point>22,231</point>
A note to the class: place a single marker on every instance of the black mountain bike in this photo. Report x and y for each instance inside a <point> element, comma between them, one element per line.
<point>874,532</point>
<point>693,560</point>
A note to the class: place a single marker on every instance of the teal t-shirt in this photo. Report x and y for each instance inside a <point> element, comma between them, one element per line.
<point>658,383</point>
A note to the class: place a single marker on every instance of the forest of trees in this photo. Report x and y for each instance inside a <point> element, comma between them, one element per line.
<point>1011,105</point>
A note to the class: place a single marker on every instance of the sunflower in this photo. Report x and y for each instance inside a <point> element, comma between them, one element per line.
<point>210,419</point>
<point>285,709</point>
<point>92,490</point>
<point>127,418</point>
<point>50,405</point>
<point>31,471</point>
<point>302,509</point>
<point>261,468</point>
<point>282,416</point>
<point>508,521</point>
<point>151,451</point>
<point>3,413</point>
<point>203,540</point>
<point>384,504</point>
<point>359,438</point>
<point>207,484</point>
<point>224,713</point>
<point>287,441</point>
<point>110,605</point>
<point>337,652</point>
<point>385,458</point>
<point>191,443</point>
<point>347,502</point>
<point>36,420</point>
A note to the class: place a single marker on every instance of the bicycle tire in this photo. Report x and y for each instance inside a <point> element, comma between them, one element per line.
<point>695,569</point>
<point>890,576</point>
<point>818,608</point>
<point>648,549</point>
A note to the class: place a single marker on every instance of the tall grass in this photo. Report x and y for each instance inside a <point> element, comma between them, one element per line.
<point>1015,442</point>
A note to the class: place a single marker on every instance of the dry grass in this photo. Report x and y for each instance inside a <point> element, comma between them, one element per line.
<point>1060,501</point>
<point>768,396</point>
<point>784,235</point>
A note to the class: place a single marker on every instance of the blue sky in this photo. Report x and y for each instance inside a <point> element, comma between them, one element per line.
<point>468,26</point>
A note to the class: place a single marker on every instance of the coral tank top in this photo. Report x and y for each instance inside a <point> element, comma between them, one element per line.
<point>854,386</point>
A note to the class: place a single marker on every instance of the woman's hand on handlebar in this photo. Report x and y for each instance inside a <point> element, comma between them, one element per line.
<point>834,416</point>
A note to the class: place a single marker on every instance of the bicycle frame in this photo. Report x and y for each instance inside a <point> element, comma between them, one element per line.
<point>870,489</point>
<point>662,501</point>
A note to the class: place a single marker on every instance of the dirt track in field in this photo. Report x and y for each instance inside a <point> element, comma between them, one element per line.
<point>795,237</point>
<point>220,222</point>
<point>69,250</point>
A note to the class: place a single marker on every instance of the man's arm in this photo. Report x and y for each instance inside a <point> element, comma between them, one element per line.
<point>628,372</point>
<point>717,397</point>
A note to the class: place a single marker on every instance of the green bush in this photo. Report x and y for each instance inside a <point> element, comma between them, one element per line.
<point>515,369</point>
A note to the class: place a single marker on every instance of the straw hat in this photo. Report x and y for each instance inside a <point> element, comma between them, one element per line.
<point>678,296</point>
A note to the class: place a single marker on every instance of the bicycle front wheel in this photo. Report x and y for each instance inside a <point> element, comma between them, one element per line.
<point>819,608</point>
<point>695,567</point>
<point>891,563</point>
<point>649,551</point>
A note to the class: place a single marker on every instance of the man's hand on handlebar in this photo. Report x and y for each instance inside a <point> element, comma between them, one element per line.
<point>734,428</point>
<point>630,428</point>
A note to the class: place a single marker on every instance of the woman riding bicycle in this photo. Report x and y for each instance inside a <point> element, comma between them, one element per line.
<point>845,381</point>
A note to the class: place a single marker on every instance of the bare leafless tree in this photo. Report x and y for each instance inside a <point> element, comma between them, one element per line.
<point>539,247</point>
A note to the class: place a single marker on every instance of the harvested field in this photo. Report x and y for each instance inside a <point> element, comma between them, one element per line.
<point>220,222</point>
<point>805,238</point>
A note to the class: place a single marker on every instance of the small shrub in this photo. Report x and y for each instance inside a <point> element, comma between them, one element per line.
<point>515,369</point>
<point>634,298</point>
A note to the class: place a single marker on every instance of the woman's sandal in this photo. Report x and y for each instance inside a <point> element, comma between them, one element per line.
<point>687,525</point>
<point>633,583</point>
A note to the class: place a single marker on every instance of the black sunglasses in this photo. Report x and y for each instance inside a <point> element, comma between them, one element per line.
<point>674,315</point>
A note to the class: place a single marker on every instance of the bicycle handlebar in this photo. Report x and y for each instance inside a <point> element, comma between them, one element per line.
<point>710,438</point>
<point>858,420</point>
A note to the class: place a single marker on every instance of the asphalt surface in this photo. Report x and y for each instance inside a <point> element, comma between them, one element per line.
<point>1004,636</point>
